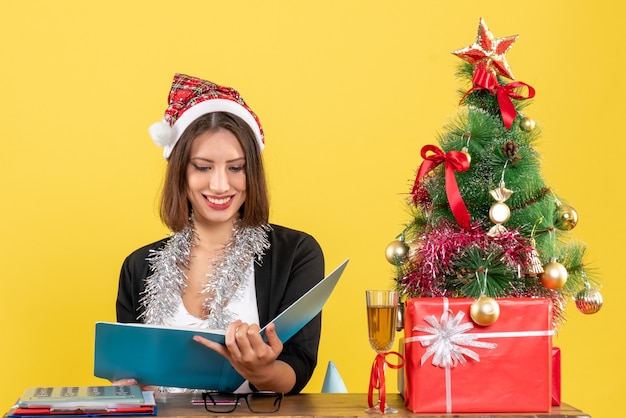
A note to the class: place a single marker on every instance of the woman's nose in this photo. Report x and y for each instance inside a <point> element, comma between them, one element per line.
<point>219,182</point>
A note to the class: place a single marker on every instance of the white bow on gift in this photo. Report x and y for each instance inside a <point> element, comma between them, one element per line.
<point>448,341</point>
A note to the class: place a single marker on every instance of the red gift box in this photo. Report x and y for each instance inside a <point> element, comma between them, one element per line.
<point>455,366</point>
<point>556,376</point>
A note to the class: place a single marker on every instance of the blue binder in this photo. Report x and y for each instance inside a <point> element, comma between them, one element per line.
<point>167,356</point>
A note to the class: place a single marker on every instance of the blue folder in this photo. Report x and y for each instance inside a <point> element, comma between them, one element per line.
<point>167,356</point>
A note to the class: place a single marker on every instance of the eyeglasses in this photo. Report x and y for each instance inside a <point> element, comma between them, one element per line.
<point>257,402</point>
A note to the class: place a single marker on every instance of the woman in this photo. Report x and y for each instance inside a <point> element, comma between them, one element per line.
<point>224,266</point>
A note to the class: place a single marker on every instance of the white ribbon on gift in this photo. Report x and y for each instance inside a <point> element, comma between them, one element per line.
<point>448,342</point>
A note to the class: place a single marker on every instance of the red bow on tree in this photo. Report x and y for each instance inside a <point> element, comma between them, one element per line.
<point>454,161</point>
<point>486,80</point>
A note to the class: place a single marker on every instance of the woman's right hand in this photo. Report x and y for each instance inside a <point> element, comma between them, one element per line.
<point>124,382</point>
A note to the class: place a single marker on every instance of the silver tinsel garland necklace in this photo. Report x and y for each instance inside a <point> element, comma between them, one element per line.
<point>167,283</point>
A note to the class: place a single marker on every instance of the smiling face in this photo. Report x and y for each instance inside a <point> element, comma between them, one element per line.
<point>216,177</point>
<point>179,194</point>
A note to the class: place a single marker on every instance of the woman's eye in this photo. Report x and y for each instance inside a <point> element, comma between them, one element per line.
<point>201,167</point>
<point>237,169</point>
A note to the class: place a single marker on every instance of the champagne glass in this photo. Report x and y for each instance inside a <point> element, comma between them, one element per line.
<point>382,309</point>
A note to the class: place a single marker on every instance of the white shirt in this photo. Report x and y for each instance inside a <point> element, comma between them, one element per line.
<point>243,306</point>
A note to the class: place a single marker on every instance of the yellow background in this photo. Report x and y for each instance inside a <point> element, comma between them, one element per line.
<point>348,92</point>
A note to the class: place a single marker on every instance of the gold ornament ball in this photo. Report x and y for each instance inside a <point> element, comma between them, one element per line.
<point>467,154</point>
<point>485,311</point>
<point>589,301</point>
<point>566,217</point>
<point>396,251</point>
<point>554,275</point>
<point>499,213</point>
<point>527,124</point>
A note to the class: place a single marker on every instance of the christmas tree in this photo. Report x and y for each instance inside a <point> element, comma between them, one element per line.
<point>483,222</point>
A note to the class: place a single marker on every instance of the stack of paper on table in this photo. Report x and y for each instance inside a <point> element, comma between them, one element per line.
<point>84,401</point>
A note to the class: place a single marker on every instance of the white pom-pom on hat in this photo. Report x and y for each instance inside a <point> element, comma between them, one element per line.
<point>162,133</point>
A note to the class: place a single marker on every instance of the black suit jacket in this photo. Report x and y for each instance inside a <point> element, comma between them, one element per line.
<point>292,265</point>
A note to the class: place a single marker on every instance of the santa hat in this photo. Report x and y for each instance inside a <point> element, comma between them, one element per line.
<point>190,98</point>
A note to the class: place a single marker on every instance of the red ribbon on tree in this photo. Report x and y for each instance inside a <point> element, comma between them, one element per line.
<point>377,378</point>
<point>486,80</point>
<point>454,161</point>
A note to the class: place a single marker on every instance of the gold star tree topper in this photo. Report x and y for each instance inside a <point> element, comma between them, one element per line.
<point>488,52</point>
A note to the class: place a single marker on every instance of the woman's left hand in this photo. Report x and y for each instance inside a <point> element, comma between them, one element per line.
<point>254,358</point>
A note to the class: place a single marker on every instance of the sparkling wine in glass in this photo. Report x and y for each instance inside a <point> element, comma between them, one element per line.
<point>382,310</point>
